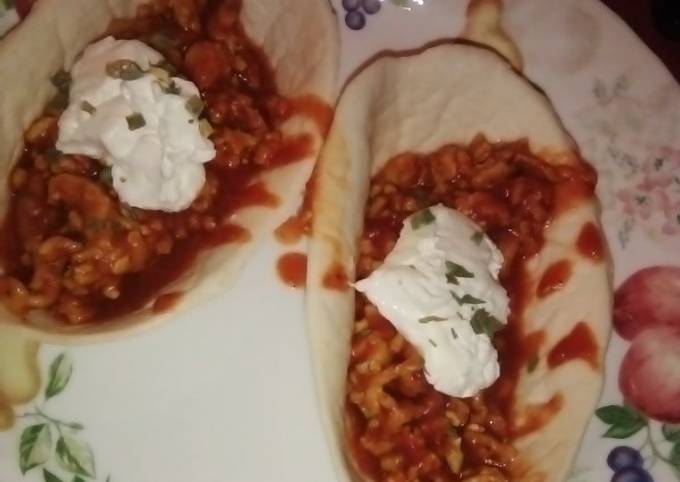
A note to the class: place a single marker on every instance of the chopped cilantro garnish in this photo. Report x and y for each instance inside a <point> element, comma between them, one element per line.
<point>163,64</point>
<point>171,87</point>
<point>428,319</point>
<point>454,334</point>
<point>135,121</point>
<point>205,128</point>
<point>87,107</point>
<point>124,69</point>
<point>105,176</point>
<point>467,299</point>
<point>422,218</point>
<point>484,323</point>
<point>478,237</point>
<point>532,363</point>
<point>432,342</point>
<point>455,271</point>
<point>161,41</point>
<point>194,105</point>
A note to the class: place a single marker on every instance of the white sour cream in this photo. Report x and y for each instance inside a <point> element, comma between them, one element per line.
<point>444,317</point>
<point>144,131</point>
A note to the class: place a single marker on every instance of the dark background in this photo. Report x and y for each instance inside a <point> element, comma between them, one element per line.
<point>657,23</point>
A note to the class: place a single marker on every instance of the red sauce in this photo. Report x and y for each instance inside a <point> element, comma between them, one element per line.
<point>314,109</point>
<point>141,287</point>
<point>536,417</point>
<point>295,227</point>
<point>166,302</point>
<point>579,344</point>
<point>589,242</point>
<point>574,191</point>
<point>291,230</point>
<point>336,278</point>
<point>554,278</point>
<point>292,269</point>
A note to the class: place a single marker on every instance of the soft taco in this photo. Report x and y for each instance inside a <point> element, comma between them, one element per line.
<point>146,146</point>
<point>458,296</point>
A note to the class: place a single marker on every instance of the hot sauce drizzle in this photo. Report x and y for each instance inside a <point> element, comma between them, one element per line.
<point>590,243</point>
<point>292,269</point>
<point>580,343</point>
<point>336,277</point>
<point>554,278</point>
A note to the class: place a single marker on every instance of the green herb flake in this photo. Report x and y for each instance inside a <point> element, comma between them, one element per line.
<point>163,64</point>
<point>422,218</point>
<point>160,74</point>
<point>455,271</point>
<point>658,163</point>
<point>478,237</point>
<point>194,105</point>
<point>135,121</point>
<point>532,363</point>
<point>160,41</point>
<point>429,319</point>
<point>454,334</point>
<point>205,128</point>
<point>124,69</point>
<point>87,107</point>
<point>170,87</point>
<point>484,323</point>
<point>61,80</point>
<point>105,176</point>
<point>467,299</point>
<point>432,342</point>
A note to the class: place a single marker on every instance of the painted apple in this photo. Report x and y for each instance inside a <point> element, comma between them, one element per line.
<point>648,298</point>
<point>649,377</point>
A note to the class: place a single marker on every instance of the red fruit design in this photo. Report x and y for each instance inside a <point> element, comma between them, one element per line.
<point>648,298</point>
<point>649,377</point>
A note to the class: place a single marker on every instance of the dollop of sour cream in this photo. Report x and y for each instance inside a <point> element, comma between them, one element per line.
<point>139,120</point>
<point>439,287</point>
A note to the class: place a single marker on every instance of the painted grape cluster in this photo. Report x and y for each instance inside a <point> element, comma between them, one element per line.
<point>627,464</point>
<point>356,11</point>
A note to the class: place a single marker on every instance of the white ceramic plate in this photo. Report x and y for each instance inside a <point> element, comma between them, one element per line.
<point>224,393</point>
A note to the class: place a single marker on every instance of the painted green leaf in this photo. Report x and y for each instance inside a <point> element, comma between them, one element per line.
<point>624,431</point>
<point>50,477</point>
<point>35,446</point>
<point>78,478</point>
<point>75,456</point>
<point>674,456</point>
<point>624,421</point>
<point>402,3</point>
<point>59,375</point>
<point>671,432</point>
<point>617,415</point>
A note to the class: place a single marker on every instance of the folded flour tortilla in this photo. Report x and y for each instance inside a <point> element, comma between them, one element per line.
<point>418,103</point>
<point>302,49</point>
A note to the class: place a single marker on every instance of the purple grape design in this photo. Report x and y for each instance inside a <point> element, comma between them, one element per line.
<point>357,10</point>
